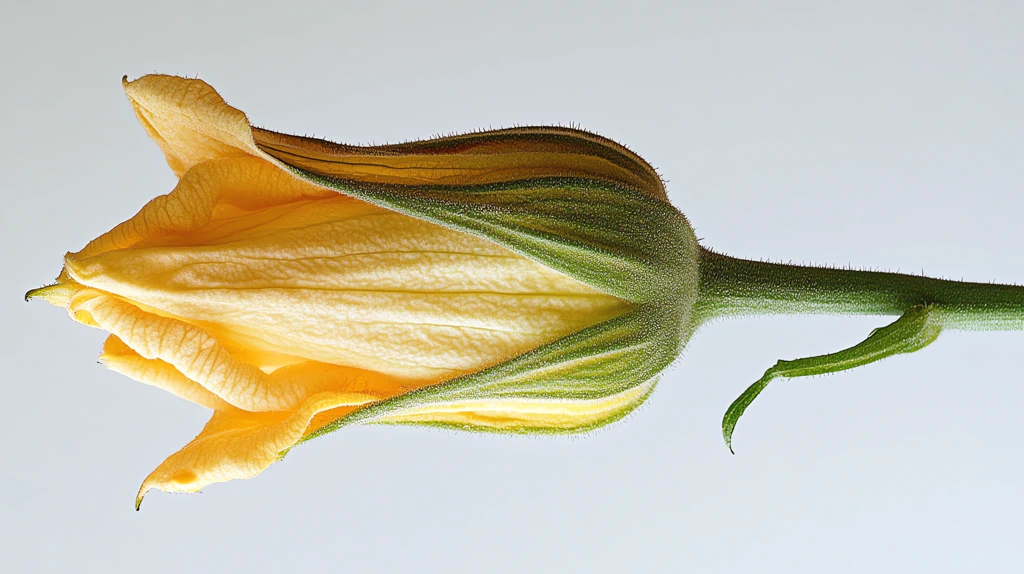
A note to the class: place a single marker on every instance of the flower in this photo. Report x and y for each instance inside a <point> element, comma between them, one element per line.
<point>523,280</point>
<point>527,280</point>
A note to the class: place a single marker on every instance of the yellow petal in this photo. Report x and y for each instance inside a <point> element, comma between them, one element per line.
<point>200,357</point>
<point>340,281</point>
<point>189,120</point>
<point>243,183</point>
<point>120,358</point>
<point>237,444</point>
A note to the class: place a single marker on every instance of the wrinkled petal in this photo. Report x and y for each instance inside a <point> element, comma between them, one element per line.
<point>120,358</point>
<point>244,184</point>
<point>189,121</point>
<point>337,280</point>
<point>238,444</point>
<point>201,358</point>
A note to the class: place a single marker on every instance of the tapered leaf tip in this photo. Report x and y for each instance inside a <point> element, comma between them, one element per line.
<point>727,428</point>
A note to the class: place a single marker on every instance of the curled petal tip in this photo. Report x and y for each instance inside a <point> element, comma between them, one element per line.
<point>139,497</point>
<point>35,293</point>
<point>59,294</point>
<point>56,294</point>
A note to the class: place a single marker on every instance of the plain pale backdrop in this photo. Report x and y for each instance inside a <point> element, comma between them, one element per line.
<point>877,134</point>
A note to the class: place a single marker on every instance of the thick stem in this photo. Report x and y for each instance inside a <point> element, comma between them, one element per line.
<point>731,287</point>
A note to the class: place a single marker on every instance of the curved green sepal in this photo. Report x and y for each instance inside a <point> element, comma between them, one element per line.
<point>913,331</point>
<point>577,383</point>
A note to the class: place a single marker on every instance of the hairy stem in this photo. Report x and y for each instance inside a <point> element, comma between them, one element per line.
<point>737,287</point>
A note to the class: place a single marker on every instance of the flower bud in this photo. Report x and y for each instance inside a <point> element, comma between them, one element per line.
<point>523,280</point>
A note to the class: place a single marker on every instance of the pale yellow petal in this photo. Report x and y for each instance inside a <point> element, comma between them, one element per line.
<point>187,348</point>
<point>120,358</point>
<point>236,444</point>
<point>200,357</point>
<point>189,120</point>
<point>340,281</point>
<point>243,183</point>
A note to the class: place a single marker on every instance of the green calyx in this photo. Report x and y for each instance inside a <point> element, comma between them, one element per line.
<point>610,236</point>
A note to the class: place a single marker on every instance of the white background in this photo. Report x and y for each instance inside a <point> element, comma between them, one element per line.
<point>880,134</point>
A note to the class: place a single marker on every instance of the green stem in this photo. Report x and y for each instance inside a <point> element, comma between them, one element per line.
<point>733,287</point>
